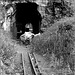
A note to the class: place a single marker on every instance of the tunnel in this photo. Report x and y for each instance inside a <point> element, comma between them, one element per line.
<point>27,13</point>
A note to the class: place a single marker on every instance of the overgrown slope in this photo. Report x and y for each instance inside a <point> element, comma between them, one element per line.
<point>58,39</point>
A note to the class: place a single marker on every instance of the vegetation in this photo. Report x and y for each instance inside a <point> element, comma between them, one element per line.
<point>59,41</point>
<point>8,55</point>
<point>56,10</point>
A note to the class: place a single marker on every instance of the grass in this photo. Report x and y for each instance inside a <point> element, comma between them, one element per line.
<point>59,40</point>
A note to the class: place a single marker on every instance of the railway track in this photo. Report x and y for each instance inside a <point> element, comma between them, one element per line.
<point>29,60</point>
<point>34,64</point>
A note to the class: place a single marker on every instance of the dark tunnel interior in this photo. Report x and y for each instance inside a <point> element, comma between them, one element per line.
<point>27,13</point>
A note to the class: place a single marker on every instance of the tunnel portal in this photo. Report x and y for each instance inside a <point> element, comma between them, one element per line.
<point>27,13</point>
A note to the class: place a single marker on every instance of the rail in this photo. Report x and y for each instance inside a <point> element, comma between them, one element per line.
<point>34,64</point>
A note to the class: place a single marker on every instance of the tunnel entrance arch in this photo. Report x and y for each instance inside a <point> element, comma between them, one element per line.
<point>27,13</point>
